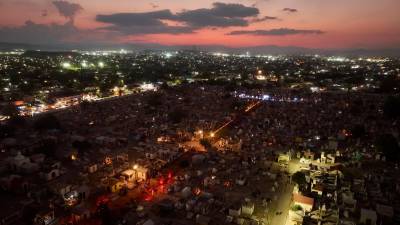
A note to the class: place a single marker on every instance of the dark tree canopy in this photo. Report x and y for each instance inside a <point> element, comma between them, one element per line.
<point>177,115</point>
<point>299,178</point>
<point>81,146</point>
<point>6,130</point>
<point>47,147</point>
<point>205,143</point>
<point>391,107</point>
<point>10,110</point>
<point>390,84</point>
<point>358,131</point>
<point>388,144</point>
<point>47,122</point>
<point>154,99</point>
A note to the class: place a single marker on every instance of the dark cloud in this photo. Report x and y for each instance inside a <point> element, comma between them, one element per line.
<point>153,5</point>
<point>290,10</point>
<point>32,32</point>
<point>233,10</point>
<point>201,18</point>
<point>265,18</point>
<point>137,19</point>
<point>275,32</point>
<point>159,29</point>
<point>142,23</point>
<point>44,13</point>
<point>219,15</point>
<point>67,9</point>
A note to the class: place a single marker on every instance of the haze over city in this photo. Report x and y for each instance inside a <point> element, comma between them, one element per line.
<point>341,24</point>
<point>206,112</point>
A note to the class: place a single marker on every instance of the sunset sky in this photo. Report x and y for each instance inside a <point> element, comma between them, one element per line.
<point>236,23</point>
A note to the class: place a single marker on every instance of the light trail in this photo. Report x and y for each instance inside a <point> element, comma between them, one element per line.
<point>248,109</point>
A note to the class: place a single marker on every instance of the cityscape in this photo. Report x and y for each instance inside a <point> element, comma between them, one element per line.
<point>200,112</point>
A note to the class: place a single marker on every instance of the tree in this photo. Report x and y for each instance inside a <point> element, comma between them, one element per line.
<point>47,122</point>
<point>154,100</point>
<point>205,143</point>
<point>29,213</point>
<point>388,144</point>
<point>105,214</point>
<point>47,147</point>
<point>177,115</point>
<point>296,208</point>
<point>10,110</point>
<point>6,130</point>
<point>81,146</point>
<point>299,178</point>
<point>358,131</point>
<point>391,108</point>
<point>390,84</point>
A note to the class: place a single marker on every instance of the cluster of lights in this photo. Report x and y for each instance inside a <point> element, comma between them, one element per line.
<point>338,59</point>
<point>106,53</point>
<point>267,97</point>
<point>220,54</point>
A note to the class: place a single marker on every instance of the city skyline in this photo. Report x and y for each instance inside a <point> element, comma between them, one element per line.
<point>241,23</point>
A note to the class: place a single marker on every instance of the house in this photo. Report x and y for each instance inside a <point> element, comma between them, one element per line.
<point>368,217</point>
<point>348,200</point>
<point>92,168</point>
<point>284,157</point>
<point>202,220</point>
<point>149,222</point>
<point>141,173</point>
<point>329,158</point>
<point>51,171</point>
<point>248,208</point>
<point>113,185</point>
<point>384,210</point>
<point>318,188</point>
<point>45,217</point>
<point>129,175</point>
<point>81,212</point>
<point>306,203</point>
<point>11,210</point>
<point>17,161</point>
<point>235,210</point>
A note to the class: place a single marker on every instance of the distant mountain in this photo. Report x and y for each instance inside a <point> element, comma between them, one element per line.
<point>265,49</point>
<point>4,46</point>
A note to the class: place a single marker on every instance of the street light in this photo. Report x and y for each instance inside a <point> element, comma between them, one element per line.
<point>135,166</point>
<point>212,134</point>
<point>84,64</point>
<point>66,65</point>
<point>201,133</point>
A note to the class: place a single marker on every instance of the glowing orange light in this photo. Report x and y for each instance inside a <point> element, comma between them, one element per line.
<point>197,191</point>
<point>107,160</point>
<point>227,183</point>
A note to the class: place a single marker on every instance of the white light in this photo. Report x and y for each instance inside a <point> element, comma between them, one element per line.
<point>147,87</point>
<point>101,64</point>
<point>314,89</point>
<point>66,65</point>
<point>168,55</point>
<point>266,97</point>
<point>84,64</point>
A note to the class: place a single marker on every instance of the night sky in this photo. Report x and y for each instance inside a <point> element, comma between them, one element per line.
<point>234,23</point>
